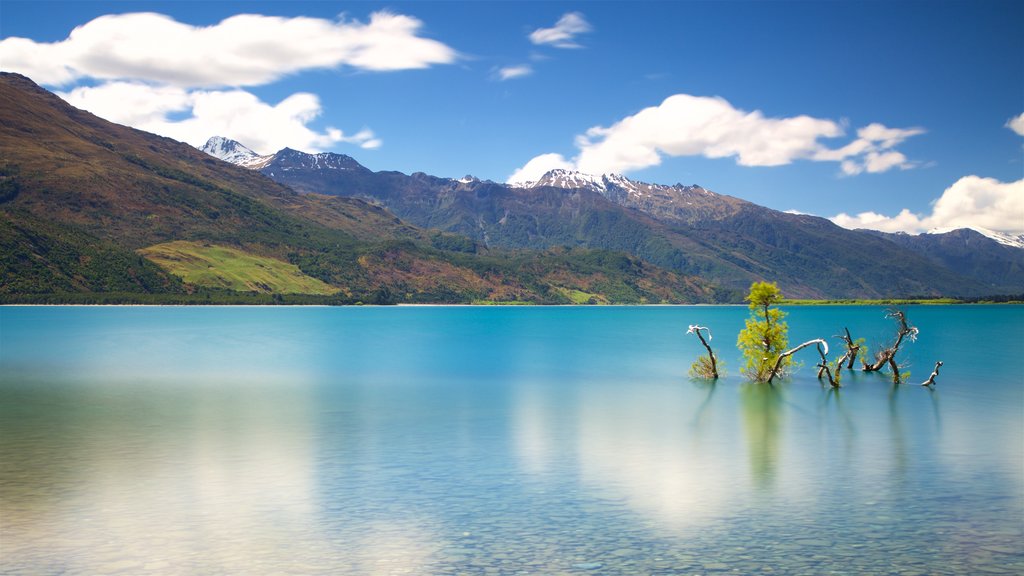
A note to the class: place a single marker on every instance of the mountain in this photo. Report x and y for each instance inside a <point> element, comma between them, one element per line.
<point>689,204</point>
<point>997,261</point>
<point>1012,240</point>
<point>687,229</point>
<point>233,152</point>
<point>88,208</point>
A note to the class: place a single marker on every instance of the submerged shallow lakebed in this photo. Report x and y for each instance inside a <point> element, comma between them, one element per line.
<point>459,440</point>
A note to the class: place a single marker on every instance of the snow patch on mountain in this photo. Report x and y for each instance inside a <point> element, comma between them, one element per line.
<point>1013,240</point>
<point>234,152</point>
<point>605,183</point>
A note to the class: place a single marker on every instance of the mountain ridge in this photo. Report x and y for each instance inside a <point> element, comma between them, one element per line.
<point>688,229</point>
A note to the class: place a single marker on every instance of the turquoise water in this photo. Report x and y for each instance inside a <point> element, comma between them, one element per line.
<point>499,440</point>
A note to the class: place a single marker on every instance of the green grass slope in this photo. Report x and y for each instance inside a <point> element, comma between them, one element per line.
<point>214,266</point>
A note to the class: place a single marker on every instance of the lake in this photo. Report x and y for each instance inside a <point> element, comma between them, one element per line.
<point>494,440</point>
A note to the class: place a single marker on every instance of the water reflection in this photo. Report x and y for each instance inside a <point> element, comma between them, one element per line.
<point>833,397</point>
<point>762,410</point>
<point>898,440</point>
<point>702,411</point>
<point>553,448</point>
<point>639,449</point>
<point>210,481</point>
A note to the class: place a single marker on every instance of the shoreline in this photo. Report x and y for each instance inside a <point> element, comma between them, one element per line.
<point>418,305</point>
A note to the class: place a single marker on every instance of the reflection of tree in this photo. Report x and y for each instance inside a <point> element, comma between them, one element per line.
<point>833,396</point>
<point>698,418</point>
<point>762,418</point>
<point>899,442</point>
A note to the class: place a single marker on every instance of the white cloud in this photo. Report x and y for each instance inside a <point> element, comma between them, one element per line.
<point>510,72</point>
<point>539,166</point>
<point>685,125</point>
<point>1016,124</point>
<point>873,145</point>
<point>563,33</point>
<point>971,202</point>
<point>243,50</point>
<point>236,114</point>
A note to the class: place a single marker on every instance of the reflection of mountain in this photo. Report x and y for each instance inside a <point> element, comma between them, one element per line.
<point>762,420</point>
<point>127,477</point>
<point>639,449</point>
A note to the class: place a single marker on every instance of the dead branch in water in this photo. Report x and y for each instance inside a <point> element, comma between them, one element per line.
<point>887,356</point>
<point>788,353</point>
<point>823,367</point>
<point>931,379</point>
<point>852,350</point>
<point>705,366</point>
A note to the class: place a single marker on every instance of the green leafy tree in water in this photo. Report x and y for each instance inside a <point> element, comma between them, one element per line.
<point>764,338</point>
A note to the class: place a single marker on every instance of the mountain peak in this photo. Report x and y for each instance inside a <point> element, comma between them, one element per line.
<point>574,179</point>
<point>1006,239</point>
<point>611,185</point>
<point>234,152</point>
<point>290,159</point>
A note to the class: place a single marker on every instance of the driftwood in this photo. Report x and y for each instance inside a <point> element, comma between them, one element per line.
<point>931,379</point>
<point>695,329</point>
<point>790,352</point>
<point>887,356</point>
<point>852,350</point>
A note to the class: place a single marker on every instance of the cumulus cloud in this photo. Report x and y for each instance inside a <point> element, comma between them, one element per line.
<point>563,34</point>
<point>243,50</point>
<point>236,114</point>
<point>872,150</point>
<point>971,202</point>
<point>518,71</point>
<point>1016,124</point>
<point>685,125</point>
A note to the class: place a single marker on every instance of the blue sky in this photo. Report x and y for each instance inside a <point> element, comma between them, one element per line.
<point>893,115</point>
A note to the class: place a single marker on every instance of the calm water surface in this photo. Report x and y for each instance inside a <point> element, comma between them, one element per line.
<point>499,440</point>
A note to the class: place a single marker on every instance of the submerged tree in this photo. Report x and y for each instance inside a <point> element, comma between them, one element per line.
<point>853,350</point>
<point>785,358</point>
<point>764,338</point>
<point>706,366</point>
<point>887,356</point>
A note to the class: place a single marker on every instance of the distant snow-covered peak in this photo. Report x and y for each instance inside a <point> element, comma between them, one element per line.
<point>1007,239</point>
<point>227,149</point>
<point>573,179</point>
<point>607,184</point>
<point>234,152</point>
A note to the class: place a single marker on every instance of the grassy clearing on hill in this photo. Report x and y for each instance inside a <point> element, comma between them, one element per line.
<point>215,266</point>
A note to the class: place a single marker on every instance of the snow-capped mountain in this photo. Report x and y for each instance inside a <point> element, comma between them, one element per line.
<point>572,179</point>
<point>285,159</point>
<point>685,228</point>
<point>235,153</point>
<point>676,202</point>
<point>1015,241</point>
<point>288,159</point>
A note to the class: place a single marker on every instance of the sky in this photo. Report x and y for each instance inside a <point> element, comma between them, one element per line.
<point>898,116</point>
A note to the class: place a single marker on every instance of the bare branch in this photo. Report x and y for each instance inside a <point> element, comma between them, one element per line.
<point>931,379</point>
<point>695,329</point>
<point>852,350</point>
<point>788,353</point>
<point>887,356</point>
<point>823,367</point>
